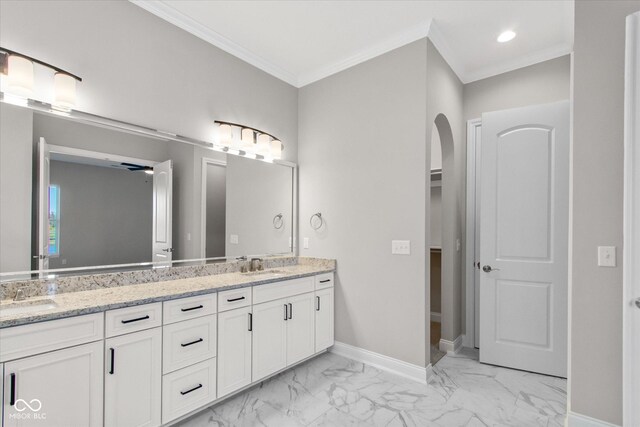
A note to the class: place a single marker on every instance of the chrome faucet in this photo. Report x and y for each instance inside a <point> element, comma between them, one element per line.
<point>256,264</point>
<point>21,294</point>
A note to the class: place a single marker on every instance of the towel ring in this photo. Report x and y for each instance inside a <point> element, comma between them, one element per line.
<point>318,222</point>
<point>278,222</point>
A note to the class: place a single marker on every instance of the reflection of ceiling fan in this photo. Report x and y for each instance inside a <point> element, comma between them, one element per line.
<point>134,168</point>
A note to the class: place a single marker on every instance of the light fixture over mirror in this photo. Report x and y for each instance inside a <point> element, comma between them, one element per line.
<point>246,141</point>
<point>20,82</point>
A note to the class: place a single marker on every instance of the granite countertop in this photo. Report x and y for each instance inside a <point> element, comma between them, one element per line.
<point>93,301</point>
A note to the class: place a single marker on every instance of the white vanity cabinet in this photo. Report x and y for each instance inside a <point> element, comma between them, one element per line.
<point>269,337</point>
<point>133,376</point>
<point>300,328</point>
<point>59,388</point>
<point>324,319</point>
<point>234,350</point>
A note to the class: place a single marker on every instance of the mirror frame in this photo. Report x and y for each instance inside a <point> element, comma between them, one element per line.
<point>122,126</point>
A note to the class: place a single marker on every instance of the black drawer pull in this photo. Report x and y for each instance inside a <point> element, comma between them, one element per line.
<point>286,312</point>
<point>250,322</point>
<point>235,299</point>
<point>197,307</point>
<point>325,280</point>
<point>12,396</point>
<point>113,360</point>
<point>135,320</point>
<point>191,389</point>
<point>290,311</point>
<point>317,303</point>
<point>192,342</point>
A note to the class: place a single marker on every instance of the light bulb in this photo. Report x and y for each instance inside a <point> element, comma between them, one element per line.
<point>20,76</point>
<point>64,91</point>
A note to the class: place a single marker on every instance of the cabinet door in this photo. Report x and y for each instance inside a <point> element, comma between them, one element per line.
<point>60,388</point>
<point>269,338</point>
<point>300,327</point>
<point>234,350</point>
<point>133,375</point>
<point>324,319</point>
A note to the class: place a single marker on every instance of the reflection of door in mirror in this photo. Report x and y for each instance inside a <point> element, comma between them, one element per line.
<point>44,165</point>
<point>162,212</point>
<point>215,205</point>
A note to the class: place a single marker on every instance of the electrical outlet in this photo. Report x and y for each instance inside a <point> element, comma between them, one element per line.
<point>606,256</point>
<point>233,239</point>
<point>401,247</point>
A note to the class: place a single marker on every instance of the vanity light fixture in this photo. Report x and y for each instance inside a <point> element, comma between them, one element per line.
<point>506,36</point>
<point>246,141</point>
<point>19,69</point>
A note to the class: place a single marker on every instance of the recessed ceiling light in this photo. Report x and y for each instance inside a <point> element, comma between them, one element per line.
<point>506,36</point>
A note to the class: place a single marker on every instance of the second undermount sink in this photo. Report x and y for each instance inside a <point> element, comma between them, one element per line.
<point>265,273</point>
<point>27,306</point>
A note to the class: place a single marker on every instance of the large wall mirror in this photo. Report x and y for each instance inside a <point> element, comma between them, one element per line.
<point>81,195</point>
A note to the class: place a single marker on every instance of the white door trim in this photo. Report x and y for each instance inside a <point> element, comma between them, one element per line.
<point>79,152</point>
<point>470,257</point>
<point>631,269</point>
<point>203,202</point>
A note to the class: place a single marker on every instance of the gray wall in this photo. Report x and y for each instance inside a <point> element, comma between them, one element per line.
<point>105,215</point>
<point>595,371</point>
<point>537,84</point>
<point>16,125</point>
<point>256,192</point>
<point>363,164</point>
<point>216,210</point>
<point>141,69</point>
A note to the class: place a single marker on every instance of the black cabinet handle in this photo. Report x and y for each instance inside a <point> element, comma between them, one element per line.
<point>191,389</point>
<point>235,299</point>
<point>286,313</point>
<point>290,311</point>
<point>192,342</point>
<point>112,363</point>
<point>197,307</point>
<point>317,303</point>
<point>135,320</point>
<point>12,395</point>
<point>325,280</point>
<point>250,322</point>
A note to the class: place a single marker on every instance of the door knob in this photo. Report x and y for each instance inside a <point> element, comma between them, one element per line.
<point>489,269</point>
<point>637,301</point>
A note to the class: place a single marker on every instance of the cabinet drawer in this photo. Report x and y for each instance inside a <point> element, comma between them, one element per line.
<point>26,340</point>
<point>188,342</point>
<point>287,288</point>
<point>188,308</point>
<point>131,319</point>
<point>188,389</point>
<point>234,298</point>
<point>324,280</point>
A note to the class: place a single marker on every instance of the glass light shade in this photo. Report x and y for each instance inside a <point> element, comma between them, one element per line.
<point>248,138</point>
<point>64,91</point>
<point>264,145</point>
<point>225,134</point>
<point>276,149</point>
<point>20,76</point>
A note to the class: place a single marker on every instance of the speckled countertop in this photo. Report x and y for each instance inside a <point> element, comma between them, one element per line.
<point>93,301</point>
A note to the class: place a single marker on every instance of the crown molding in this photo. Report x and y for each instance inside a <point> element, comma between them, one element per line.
<point>407,36</point>
<point>521,62</point>
<point>445,50</point>
<point>171,15</point>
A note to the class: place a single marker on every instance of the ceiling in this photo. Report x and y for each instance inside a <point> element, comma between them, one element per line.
<point>304,41</point>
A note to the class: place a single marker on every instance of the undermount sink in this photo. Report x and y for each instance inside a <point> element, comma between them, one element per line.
<point>27,306</point>
<point>265,273</point>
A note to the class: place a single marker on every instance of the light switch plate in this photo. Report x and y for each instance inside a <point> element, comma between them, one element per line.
<point>305,243</point>
<point>606,256</point>
<point>401,247</point>
<point>233,239</point>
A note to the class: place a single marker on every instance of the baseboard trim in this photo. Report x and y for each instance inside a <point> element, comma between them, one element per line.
<point>579,420</point>
<point>380,361</point>
<point>451,346</point>
<point>436,317</point>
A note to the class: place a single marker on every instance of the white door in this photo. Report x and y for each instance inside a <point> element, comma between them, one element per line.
<point>269,338</point>
<point>44,165</point>
<point>524,238</point>
<point>234,350</point>
<point>162,213</point>
<point>324,319</point>
<point>133,377</point>
<point>300,327</point>
<point>60,388</point>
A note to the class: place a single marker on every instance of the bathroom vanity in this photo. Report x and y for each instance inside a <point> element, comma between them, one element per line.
<point>153,353</point>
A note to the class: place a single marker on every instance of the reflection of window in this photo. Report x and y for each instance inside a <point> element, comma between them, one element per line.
<point>54,220</point>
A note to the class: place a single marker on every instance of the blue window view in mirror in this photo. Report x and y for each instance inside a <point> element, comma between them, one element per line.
<point>54,220</point>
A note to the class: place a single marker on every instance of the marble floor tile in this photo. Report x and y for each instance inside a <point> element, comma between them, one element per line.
<point>330,390</point>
